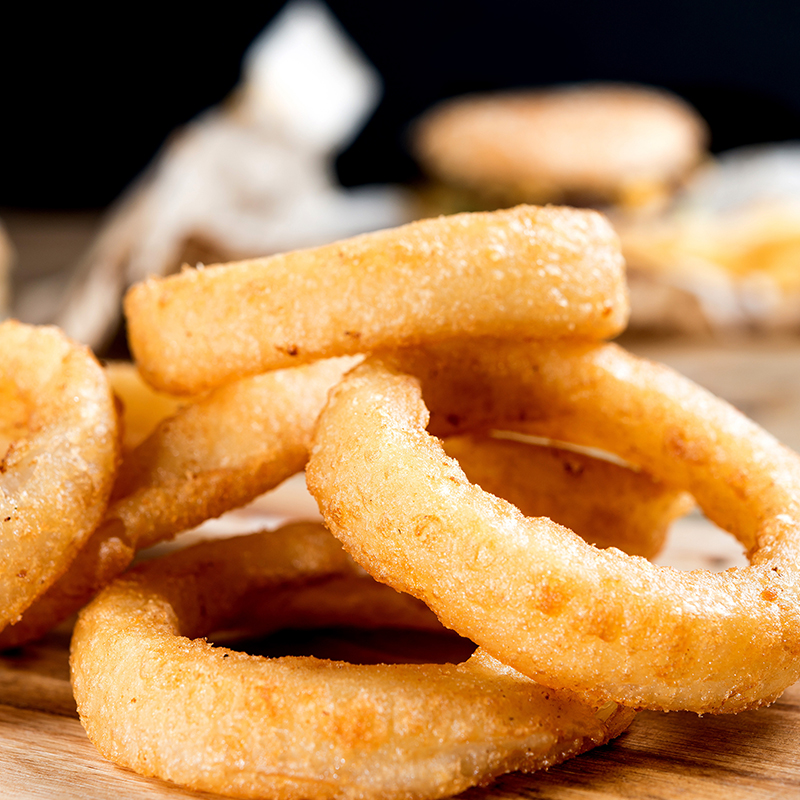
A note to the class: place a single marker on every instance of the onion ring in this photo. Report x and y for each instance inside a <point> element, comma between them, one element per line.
<point>222,451</point>
<point>59,440</point>
<point>218,453</point>
<point>524,272</point>
<point>606,625</point>
<point>148,691</point>
<point>605,503</point>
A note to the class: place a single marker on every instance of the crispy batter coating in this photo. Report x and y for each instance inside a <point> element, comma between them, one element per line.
<point>155,698</point>
<point>59,445</point>
<point>524,272</point>
<point>607,504</point>
<point>217,453</point>
<point>534,594</point>
<point>222,451</point>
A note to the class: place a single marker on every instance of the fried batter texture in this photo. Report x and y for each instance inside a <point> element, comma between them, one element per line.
<point>532,593</point>
<point>59,441</point>
<point>523,272</point>
<point>222,451</point>
<point>215,454</point>
<point>154,697</point>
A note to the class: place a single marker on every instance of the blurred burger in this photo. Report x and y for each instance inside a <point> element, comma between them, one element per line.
<point>613,146</point>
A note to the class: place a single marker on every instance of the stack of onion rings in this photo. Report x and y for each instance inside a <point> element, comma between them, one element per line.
<point>601,623</point>
<point>215,454</point>
<point>227,448</point>
<point>188,470</point>
<point>260,352</point>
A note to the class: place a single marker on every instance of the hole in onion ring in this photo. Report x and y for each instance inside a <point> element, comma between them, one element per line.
<point>597,496</point>
<point>356,645</point>
<point>691,542</point>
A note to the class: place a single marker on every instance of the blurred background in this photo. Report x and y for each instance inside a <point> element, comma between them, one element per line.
<point>88,101</point>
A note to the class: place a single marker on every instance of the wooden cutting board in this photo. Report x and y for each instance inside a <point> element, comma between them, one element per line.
<point>45,754</point>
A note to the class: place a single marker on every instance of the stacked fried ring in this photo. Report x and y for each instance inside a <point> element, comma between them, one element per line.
<point>486,330</point>
<point>299,727</point>
<point>59,446</point>
<point>211,455</point>
<point>599,622</point>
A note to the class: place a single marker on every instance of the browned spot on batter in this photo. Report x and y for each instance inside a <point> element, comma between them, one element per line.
<point>572,465</point>
<point>549,600</point>
<point>425,527</point>
<point>679,446</point>
<point>334,514</point>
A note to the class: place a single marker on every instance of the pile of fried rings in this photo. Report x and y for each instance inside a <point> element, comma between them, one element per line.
<point>414,374</point>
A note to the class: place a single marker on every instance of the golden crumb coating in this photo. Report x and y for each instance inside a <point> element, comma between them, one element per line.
<point>531,592</point>
<point>523,272</point>
<point>156,698</point>
<point>59,443</point>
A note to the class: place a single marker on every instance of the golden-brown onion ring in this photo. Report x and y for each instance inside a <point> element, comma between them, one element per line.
<point>59,446</point>
<point>524,272</point>
<point>602,623</point>
<point>222,451</point>
<point>215,454</point>
<point>150,693</point>
<point>607,504</point>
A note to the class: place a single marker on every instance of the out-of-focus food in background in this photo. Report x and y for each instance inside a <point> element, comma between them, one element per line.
<point>712,242</point>
<point>252,177</point>
<point>600,144</point>
<point>725,256</point>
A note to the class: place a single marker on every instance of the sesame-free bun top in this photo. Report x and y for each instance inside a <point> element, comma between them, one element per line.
<point>586,143</point>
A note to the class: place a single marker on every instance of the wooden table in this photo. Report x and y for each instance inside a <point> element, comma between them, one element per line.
<point>45,754</point>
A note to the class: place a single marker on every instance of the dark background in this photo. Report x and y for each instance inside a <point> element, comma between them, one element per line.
<point>87,99</point>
